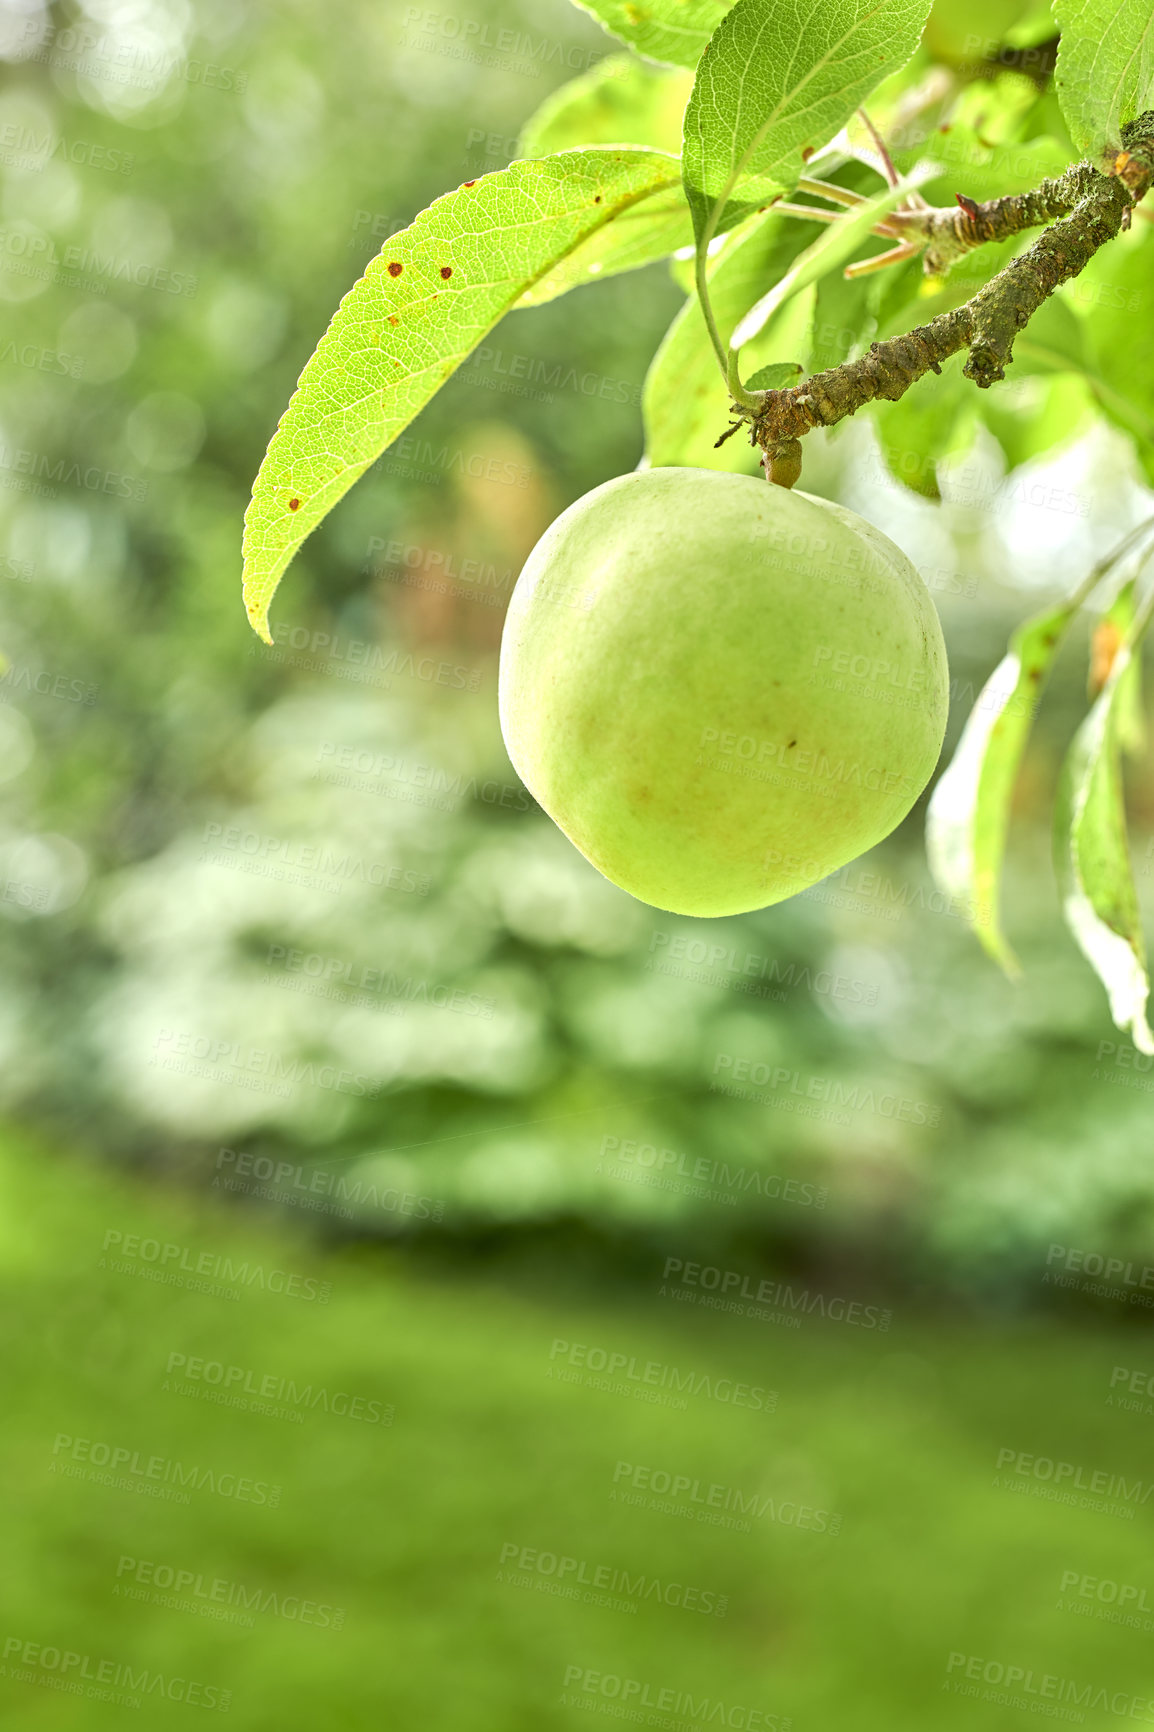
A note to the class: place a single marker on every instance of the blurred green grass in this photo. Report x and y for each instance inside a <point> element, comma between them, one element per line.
<point>404,1525</point>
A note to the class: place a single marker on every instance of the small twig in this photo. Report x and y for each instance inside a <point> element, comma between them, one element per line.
<point>882,261</point>
<point>832,216</point>
<point>836,194</point>
<point>891,172</point>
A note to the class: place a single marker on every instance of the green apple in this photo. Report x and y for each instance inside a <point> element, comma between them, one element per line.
<point>719,689</point>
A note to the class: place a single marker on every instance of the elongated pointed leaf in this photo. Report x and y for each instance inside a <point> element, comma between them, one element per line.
<point>1092,858</point>
<point>1110,633</point>
<point>620,101</point>
<point>522,234</point>
<point>672,30</point>
<point>775,377</point>
<point>829,252</point>
<point>775,84</point>
<point>1105,70</point>
<point>969,812</point>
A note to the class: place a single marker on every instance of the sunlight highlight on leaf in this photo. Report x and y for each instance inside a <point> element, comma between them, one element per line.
<point>776,83</point>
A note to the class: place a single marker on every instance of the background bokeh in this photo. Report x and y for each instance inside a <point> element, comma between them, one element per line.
<point>297,978</point>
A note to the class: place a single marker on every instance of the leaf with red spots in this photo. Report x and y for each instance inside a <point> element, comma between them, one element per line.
<point>515,238</point>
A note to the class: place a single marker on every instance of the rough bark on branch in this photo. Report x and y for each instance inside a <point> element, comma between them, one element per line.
<point>1091,207</point>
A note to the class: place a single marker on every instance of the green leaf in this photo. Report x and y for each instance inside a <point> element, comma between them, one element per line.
<point>842,321</point>
<point>685,402</point>
<point>638,235</point>
<point>1105,70</point>
<point>1054,341</point>
<point>776,83</point>
<point>774,377</point>
<point>1110,632</point>
<point>431,295</point>
<point>671,30</point>
<point>1092,860</point>
<point>1118,289</point>
<point>1037,413</point>
<point>621,101</point>
<point>969,812</point>
<point>933,421</point>
<point>832,248</point>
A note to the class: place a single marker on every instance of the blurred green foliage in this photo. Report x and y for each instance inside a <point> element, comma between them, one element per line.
<point>336,1067</point>
<point>293,903</point>
<point>836,1547</point>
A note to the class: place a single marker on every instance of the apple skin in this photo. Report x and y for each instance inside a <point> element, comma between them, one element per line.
<point>679,689</point>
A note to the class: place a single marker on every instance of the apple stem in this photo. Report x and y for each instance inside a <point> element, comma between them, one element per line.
<point>783,462</point>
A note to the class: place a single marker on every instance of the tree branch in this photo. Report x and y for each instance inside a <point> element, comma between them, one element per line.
<point>1092,208</point>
